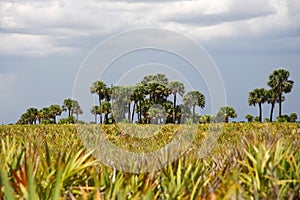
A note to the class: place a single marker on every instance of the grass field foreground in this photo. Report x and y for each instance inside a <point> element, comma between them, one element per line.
<point>251,161</point>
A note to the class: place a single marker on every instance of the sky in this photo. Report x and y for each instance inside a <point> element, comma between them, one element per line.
<point>44,43</point>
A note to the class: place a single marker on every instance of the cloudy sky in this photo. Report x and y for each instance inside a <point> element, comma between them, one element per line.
<point>44,43</point>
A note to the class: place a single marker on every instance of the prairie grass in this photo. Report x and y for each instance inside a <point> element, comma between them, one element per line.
<point>250,161</point>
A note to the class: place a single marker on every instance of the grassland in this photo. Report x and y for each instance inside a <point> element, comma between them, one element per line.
<point>250,161</point>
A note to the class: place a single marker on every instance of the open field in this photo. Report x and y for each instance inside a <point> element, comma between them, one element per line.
<point>251,161</point>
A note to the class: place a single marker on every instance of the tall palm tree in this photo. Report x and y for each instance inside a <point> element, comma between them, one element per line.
<point>77,110</point>
<point>225,113</point>
<point>106,109</point>
<point>280,83</point>
<point>95,110</point>
<point>138,97</point>
<point>101,90</point>
<point>193,99</point>
<point>67,106</point>
<point>258,96</point>
<point>121,100</point>
<point>176,87</point>
<point>272,98</point>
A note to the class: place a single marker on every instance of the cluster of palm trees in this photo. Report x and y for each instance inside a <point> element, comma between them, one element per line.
<point>155,100</point>
<point>145,102</point>
<point>48,115</point>
<point>279,84</point>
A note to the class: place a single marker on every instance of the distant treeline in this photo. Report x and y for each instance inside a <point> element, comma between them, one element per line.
<point>154,100</point>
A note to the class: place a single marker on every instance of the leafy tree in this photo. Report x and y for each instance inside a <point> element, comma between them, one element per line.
<point>258,96</point>
<point>54,111</point>
<point>225,113</point>
<point>256,119</point>
<point>137,97</point>
<point>44,116</point>
<point>76,109</point>
<point>32,115</point>
<point>193,99</point>
<point>280,83</point>
<point>272,98</point>
<point>69,120</point>
<point>156,113</point>
<point>29,117</point>
<point>67,106</point>
<point>102,91</point>
<point>207,119</point>
<point>106,110</point>
<point>283,118</point>
<point>121,102</point>
<point>293,117</point>
<point>73,107</point>
<point>24,119</point>
<point>175,88</point>
<point>159,78</point>
<point>95,110</point>
<point>249,117</point>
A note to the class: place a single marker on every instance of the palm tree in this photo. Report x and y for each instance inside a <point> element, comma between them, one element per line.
<point>225,113</point>
<point>106,109</point>
<point>54,110</point>
<point>158,78</point>
<point>176,87</point>
<point>272,98</point>
<point>258,96</point>
<point>101,90</point>
<point>44,115</point>
<point>280,83</point>
<point>67,106</point>
<point>121,99</point>
<point>138,96</point>
<point>293,117</point>
<point>32,114</point>
<point>128,98</point>
<point>76,109</point>
<point>95,110</point>
<point>193,99</point>
<point>207,119</point>
<point>249,117</point>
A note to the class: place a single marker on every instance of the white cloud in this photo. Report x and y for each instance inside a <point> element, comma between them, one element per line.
<point>49,27</point>
<point>30,45</point>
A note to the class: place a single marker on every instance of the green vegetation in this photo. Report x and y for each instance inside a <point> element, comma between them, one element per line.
<point>149,102</point>
<point>279,83</point>
<point>251,161</point>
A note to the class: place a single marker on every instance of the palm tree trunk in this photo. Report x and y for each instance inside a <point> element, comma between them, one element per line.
<point>280,101</point>
<point>129,113</point>
<point>54,119</point>
<point>95,118</point>
<point>226,119</point>
<point>100,110</point>
<point>174,107</point>
<point>194,106</point>
<point>272,109</point>
<point>260,112</point>
<point>106,118</point>
<point>140,108</point>
<point>132,116</point>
